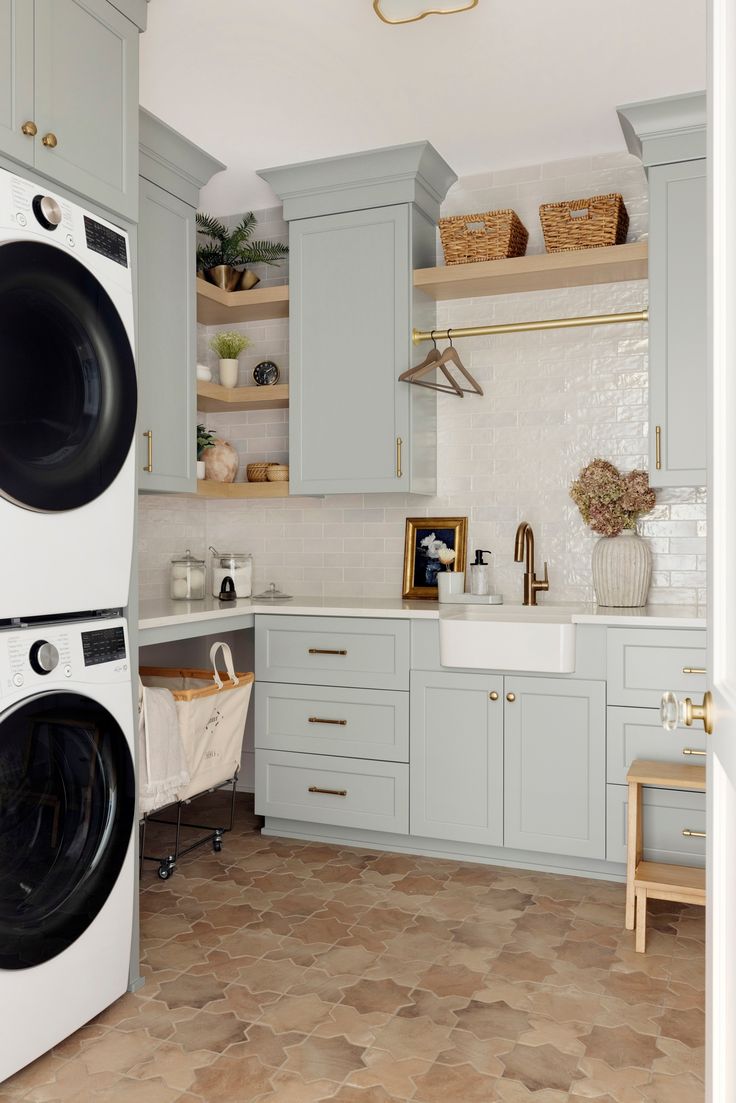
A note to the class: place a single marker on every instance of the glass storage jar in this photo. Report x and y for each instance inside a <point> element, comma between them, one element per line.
<point>236,565</point>
<point>188,577</point>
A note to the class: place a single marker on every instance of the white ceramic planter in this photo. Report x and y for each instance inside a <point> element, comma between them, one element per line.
<point>622,570</point>
<point>228,373</point>
<point>200,469</point>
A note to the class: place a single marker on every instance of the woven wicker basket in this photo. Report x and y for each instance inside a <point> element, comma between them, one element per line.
<point>584,223</point>
<point>492,235</point>
<point>278,473</point>
<point>256,472</point>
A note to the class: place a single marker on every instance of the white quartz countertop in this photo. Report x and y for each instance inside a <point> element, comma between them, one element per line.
<point>165,612</point>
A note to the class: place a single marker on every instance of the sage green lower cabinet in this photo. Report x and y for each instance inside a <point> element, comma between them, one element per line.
<point>555,766</point>
<point>638,733</point>
<point>456,747</point>
<point>16,79</point>
<point>667,813</point>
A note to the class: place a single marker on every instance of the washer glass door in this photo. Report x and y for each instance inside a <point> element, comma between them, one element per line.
<point>67,381</point>
<point>67,793</point>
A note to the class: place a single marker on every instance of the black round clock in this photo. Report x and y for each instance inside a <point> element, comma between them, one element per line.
<point>266,373</point>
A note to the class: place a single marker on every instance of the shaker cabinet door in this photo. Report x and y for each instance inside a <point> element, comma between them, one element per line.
<point>16,79</point>
<point>555,766</point>
<point>166,342</point>
<point>456,742</point>
<point>350,289</point>
<point>677,324</point>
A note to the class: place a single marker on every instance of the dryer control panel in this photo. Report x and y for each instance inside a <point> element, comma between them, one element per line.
<point>46,655</point>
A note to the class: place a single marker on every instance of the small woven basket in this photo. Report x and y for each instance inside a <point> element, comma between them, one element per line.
<point>278,473</point>
<point>584,223</point>
<point>256,472</point>
<point>492,235</point>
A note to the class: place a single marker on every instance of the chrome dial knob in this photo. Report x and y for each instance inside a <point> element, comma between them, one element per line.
<point>44,657</point>
<point>47,211</point>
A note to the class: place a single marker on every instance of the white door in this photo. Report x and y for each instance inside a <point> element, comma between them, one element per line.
<point>721,830</point>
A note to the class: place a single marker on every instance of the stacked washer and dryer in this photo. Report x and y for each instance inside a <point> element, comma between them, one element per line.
<point>67,502</point>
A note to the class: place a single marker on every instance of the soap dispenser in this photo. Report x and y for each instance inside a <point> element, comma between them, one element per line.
<point>479,573</point>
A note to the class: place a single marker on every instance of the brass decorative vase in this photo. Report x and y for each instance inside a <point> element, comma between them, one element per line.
<point>622,570</point>
<point>224,276</point>
<point>247,280</point>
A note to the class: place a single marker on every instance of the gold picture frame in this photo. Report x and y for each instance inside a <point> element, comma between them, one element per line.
<point>420,542</point>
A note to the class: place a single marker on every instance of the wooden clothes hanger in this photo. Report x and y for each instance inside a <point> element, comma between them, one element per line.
<point>434,359</point>
<point>451,355</point>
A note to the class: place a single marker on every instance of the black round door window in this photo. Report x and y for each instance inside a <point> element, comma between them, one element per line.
<point>67,793</point>
<point>67,381</point>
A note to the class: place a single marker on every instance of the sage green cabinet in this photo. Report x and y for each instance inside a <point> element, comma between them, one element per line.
<point>456,747</point>
<point>172,171</point>
<point>70,68</point>
<point>555,766</point>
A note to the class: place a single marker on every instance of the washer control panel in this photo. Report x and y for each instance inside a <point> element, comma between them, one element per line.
<point>106,241</point>
<point>104,645</point>
<point>48,655</point>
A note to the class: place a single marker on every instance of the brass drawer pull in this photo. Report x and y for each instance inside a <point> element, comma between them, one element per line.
<point>658,447</point>
<point>693,750</point>
<point>693,834</point>
<point>326,651</point>
<point>399,443</point>
<point>149,466</point>
<point>693,670</point>
<point>323,720</point>
<point>328,792</point>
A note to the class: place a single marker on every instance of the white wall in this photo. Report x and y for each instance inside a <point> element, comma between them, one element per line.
<point>552,402</point>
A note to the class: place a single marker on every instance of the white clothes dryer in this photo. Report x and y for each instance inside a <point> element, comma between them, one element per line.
<point>67,815</point>
<point>67,406</point>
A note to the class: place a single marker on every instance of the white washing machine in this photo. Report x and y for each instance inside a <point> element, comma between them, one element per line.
<point>67,406</point>
<point>67,815</point>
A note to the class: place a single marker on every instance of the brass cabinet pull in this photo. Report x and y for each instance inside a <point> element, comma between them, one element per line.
<point>511,697</point>
<point>326,651</point>
<point>693,834</point>
<point>50,140</point>
<point>29,129</point>
<point>693,670</point>
<point>658,447</point>
<point>692,712</point>
<point>399,443</point>
<point>328,792</point>
<point>324,720</point>
<point>149,466</point>
<point>493,695</point>
<point>693,750</point>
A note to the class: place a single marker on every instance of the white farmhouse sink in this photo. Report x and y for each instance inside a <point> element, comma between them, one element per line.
<point>509,637</point>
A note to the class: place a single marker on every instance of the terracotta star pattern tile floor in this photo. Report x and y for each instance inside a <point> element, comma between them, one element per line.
<point>285,972</point>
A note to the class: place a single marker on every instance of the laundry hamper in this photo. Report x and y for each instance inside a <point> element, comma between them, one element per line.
<point>211,710</point>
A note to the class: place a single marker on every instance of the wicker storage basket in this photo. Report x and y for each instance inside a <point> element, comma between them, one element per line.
<point>256,472</point>
<point>584,223</point>
<point>278,473</point>
<point>492,235</point>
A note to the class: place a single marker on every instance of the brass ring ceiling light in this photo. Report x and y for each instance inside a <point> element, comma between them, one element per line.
<point>411,11</point>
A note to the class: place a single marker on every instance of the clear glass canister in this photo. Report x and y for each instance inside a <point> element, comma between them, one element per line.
<point>236,565</point>
<point>188,577</point>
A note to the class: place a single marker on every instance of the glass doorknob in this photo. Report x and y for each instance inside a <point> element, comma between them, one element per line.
<point>669,711</point>
<point>673,712</point>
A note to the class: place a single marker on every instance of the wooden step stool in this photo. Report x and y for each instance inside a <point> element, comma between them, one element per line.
<point>657,880</point>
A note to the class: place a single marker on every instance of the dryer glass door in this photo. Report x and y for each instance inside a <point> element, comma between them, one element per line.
<point>67,798</point>
<point>67,381</point>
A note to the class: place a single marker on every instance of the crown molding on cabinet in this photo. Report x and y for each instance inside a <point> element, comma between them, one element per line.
<point>170,160</point>
<point>668,130</point>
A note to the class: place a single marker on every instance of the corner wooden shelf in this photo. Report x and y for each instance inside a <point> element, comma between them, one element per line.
<point>213,398</point>
<point>536,272</point>
<point>216,307</point>
<point>208,488</point>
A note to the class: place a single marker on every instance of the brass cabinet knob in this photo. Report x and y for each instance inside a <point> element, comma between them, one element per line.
<point>50,140</point>
<point>29,129</point>
<point>493,695</point>
<point>511,697</point>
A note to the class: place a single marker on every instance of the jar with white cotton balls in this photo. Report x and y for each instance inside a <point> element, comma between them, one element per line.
<point>188,578</point>
<point>235,565</point>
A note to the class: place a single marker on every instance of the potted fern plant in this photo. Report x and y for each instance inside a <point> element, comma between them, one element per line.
<point>223,255</point>
<point>205,440</point>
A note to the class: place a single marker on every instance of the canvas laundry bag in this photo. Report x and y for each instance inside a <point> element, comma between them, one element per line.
<point>211,708</point>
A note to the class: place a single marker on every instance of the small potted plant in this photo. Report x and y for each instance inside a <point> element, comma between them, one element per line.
<point>228,346</point>
<point>223,255</point>
<point>611,504</point>
<point>205,440</point>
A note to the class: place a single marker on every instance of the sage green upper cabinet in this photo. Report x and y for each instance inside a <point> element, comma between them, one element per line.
<point>172,172</point>
<point>669,135</point>
<point>358,226</point>
<point>70,73</point>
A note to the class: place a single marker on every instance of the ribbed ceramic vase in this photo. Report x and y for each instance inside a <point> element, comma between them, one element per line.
<point>622,570</point>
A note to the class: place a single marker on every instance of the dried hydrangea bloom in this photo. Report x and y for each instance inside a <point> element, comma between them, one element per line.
<point>638,496</point>
<point>608,501</point>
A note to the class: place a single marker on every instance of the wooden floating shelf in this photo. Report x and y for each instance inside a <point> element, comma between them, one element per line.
<point>537,272</point>
<point>213,398</point>
<point>216,307</point>
<point>208,488</point>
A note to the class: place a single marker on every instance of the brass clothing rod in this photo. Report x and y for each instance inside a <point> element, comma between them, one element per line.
<point>525,327</point>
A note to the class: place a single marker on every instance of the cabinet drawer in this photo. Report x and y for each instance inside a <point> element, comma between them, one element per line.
<point>638,733</point>
<point>666,813</point>
<point>333,651</point>
<point>642,664</point>
<point>359,793</point>
<point>355,723</point>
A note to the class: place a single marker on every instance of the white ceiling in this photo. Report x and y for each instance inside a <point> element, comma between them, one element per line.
<point>260,83</point>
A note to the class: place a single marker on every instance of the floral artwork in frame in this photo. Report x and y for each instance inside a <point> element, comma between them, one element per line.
<point>432,544</point>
